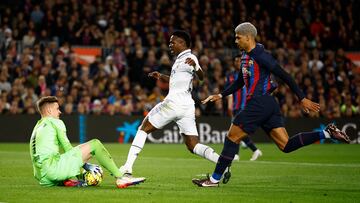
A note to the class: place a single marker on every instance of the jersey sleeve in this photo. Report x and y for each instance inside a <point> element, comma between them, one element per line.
<point>236,85</point>
<point>227,81</point>
<point>275,68</point>
<point>197,65</point>
<point>61,134</point>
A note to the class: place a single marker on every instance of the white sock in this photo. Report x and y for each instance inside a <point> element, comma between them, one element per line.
<point>135,149</point>
<point>206,152</point>
<point>213,180</point>
<point>327,135</point>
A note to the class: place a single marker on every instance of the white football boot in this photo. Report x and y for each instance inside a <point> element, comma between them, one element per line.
<point>256,155</point>
<point>128,180</point>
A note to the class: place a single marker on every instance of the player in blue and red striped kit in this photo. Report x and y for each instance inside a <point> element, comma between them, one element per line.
<point>260,108</point>
<point>236,102</point>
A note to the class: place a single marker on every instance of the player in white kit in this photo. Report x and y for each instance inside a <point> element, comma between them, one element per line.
<point>178,105</point>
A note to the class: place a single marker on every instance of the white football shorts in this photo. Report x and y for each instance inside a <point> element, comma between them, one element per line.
<point>166,111</point>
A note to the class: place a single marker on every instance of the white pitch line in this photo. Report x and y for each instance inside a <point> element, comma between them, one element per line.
<point>350,165</point>
<point>345,165</point>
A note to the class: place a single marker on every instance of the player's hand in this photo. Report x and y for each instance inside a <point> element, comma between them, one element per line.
<point>155,75</point>
<point>308,105</point>
<point>92,168</point>
<point>190,62</point>
<point>212,98</point>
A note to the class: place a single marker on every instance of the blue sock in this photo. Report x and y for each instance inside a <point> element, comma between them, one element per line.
<point>226,157</point>
<point>322,135</point>
<point>302,139</point>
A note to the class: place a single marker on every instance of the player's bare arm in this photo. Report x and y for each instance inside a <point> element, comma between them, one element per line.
<point>159,76</point>
<point>199,72</point>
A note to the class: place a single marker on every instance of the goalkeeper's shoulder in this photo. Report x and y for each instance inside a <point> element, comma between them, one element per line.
<point>57,123</point>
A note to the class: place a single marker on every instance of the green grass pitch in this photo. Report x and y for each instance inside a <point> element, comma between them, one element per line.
<point>317,173</point>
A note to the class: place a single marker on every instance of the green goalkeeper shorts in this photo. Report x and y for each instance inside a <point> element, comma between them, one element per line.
<point>63,167</point>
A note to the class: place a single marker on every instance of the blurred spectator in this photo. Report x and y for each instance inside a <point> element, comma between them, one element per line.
<point>96,107</point>
<point>315,62</point>
<point>40,89</point>
<point>119,60</point>
<point>4,83</point>
<point>29,39</point>
<point>136,63</point>
<point>36,40</point>
<point>110,68</point>
<point>29,94</point>
<point>347,108</point>
<point>69,108</point>
<point>110,36</point>
<point>37,15</point>
<point>332,109</point>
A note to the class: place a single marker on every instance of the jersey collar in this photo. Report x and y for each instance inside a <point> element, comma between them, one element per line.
<point>186,51</point>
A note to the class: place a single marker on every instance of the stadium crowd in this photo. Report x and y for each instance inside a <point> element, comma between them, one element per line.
<point>308,38</point>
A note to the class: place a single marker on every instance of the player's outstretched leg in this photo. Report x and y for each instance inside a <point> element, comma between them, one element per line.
<point>193,145</point>
<point>206,152</point>
<point>136,147</point>
<point>98,150</point>
<point>104,158</point>
<point>303,139</point>
<point>138,143</point>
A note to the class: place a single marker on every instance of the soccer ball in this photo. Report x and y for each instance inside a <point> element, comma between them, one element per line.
<point>92,180</point>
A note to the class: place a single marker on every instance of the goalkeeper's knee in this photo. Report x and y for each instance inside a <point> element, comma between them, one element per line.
<point>94,144</point>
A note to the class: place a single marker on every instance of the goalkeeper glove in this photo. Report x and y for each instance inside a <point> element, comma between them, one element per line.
<point>92,168</point>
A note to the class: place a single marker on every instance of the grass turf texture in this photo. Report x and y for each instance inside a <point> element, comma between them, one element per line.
<point>317,173</point>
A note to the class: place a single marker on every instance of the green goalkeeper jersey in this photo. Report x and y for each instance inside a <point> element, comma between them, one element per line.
<point>47,138</point>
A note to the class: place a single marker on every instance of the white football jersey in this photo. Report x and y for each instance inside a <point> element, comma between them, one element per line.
<point>181,77</point>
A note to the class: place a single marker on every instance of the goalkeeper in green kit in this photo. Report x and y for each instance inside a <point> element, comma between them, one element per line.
<point>52,168</point>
